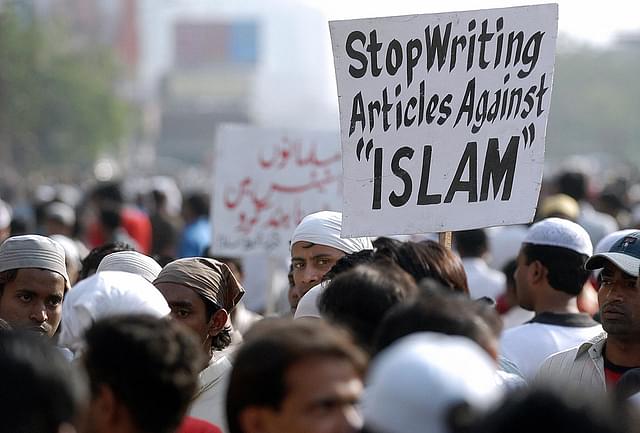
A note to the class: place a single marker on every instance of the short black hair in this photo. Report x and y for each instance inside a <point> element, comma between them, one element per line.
<point>270,348</point>
<point>544,410</point>
<point>151,365</point>
<point>574,184</point>
<point>471,243</point>
<point>440,311</point>
<point>91,262</point>
<point>40,389</point>
<point>359,298</point>
<point>565,267</point>
<point>198,202</point>
<point>429,259</point>
<point>7,277</point>
<point>222,339</point>
<point>108,191</point>
<point>349,261</point>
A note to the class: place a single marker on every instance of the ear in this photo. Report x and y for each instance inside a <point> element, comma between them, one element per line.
<point>103,409</point>
<point>218,321</point>
<point>255,419</point>
<point>538,272</point>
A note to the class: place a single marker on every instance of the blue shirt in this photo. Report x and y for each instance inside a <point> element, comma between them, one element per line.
<point>195,238</point>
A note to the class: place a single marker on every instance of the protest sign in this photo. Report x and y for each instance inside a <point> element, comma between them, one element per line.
<point>266,181</point>
<point>443,118</point>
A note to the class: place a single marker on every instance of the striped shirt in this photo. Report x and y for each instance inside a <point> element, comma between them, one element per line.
<point>580,368</point>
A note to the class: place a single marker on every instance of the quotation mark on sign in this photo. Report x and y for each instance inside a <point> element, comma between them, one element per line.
<point>529,133</point>
<point>359,147</point>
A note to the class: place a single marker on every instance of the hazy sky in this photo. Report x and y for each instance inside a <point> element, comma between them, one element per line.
<point>595,21</point>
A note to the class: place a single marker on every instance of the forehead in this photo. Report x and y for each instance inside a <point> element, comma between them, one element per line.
<point>177,293</point>
<point>611,269</point>
<point>314,376</point>
<point>303,249</point>
<point>42,281</point>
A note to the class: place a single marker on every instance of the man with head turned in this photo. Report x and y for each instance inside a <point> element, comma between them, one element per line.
<point>316,246</point>
<point>549,276</point>
<point>202,292</point>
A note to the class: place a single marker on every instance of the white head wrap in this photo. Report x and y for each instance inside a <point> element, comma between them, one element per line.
<point>323,228</point>
<point>107,294</point>
<point>132,262</point>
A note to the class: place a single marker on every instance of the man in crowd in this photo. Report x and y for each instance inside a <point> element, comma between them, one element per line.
<point>142,371</point>
<point>33,283</point>
<point>196,235</point>
<point>201,293</point>
<point>473,247</point>
<point>295,377</point>
<point>316,246</point>
<point>41,391</point>
<point>600,362</point>
<point>549,276</point>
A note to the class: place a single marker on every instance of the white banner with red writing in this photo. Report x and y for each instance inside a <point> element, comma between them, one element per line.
<point>266,181</point>
<point>443,118</point>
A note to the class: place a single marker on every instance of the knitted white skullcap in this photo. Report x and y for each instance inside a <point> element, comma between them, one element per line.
<point>33,251</point>
<point>558,232</point>
<point>132,262</point>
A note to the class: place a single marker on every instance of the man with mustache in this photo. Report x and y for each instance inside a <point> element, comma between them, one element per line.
<point>599,363</point>
<point>549,277</point>
<point>316,246</point>
<point>33,282</point>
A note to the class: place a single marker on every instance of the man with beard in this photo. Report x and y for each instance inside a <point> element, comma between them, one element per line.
<point>599,363</point>
<point>33,282</point>
<point>201,293</point>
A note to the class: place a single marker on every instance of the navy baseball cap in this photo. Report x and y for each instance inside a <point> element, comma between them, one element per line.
<point>625,254</point>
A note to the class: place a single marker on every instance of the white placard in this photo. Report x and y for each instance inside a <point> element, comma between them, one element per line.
<point>266,181</point>
<point>443,118</point>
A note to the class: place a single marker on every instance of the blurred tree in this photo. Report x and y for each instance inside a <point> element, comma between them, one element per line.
<point>58,103</point>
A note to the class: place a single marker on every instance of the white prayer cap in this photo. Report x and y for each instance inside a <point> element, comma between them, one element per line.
<point>33,251</point>
<point>106,294</point>
<point>308,304</point>
<point>132,262</point>
<point>323,228</point>
<point>559,232</point>
<point>5,215</point>
<point>414,383</point>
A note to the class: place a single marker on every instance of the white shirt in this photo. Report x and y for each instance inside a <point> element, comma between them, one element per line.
<point>528,345</point>
<point>482,280</point>
<point>504,244</point>
<point>209,401</point>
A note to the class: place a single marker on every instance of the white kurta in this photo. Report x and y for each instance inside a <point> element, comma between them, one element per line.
<point>209,401</point>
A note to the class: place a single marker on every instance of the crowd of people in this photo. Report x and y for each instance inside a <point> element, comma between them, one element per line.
<point>117,316</point>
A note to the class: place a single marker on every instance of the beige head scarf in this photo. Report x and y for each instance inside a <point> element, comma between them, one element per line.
<point>210,278</point>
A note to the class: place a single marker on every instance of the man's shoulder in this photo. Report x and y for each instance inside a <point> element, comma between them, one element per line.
<point>568,363</point>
